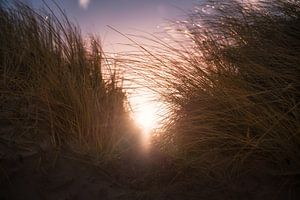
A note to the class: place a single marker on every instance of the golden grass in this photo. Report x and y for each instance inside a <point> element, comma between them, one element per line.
<point>231,80</point>
<point>56,87</point>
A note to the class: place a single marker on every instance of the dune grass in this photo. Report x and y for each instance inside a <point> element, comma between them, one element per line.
<point>230,75</point>
<point>56,87</point>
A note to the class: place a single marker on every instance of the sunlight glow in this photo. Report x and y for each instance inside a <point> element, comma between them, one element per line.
<point>146,117</point>
<point>147,112</point>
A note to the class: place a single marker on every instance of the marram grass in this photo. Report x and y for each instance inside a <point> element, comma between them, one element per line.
<point>57,88</point>
<point>231,78</point>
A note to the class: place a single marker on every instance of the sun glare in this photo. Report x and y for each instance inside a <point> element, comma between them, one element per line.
<point>146,117</point>
<point>146,112</point>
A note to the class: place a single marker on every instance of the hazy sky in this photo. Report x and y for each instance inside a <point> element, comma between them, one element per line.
<point>93,16</point>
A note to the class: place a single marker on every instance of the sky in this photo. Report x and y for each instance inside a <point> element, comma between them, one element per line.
<point>127,16</point>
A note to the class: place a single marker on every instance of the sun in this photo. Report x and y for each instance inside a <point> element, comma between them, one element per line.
<point>145,111</point>
<point>146,117</point>
<point>149,113</point>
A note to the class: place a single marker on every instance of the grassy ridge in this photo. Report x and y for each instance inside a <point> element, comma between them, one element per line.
<point>56,86</point>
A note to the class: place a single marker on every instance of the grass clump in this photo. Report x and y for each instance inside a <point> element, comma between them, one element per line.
<point>55,87</point>
<point>232,80</point>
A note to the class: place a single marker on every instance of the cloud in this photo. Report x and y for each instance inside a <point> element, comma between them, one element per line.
<point>84,3</point>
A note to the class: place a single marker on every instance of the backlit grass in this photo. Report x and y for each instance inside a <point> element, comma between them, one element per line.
<point>58,88</point>
<point>230,77</point>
